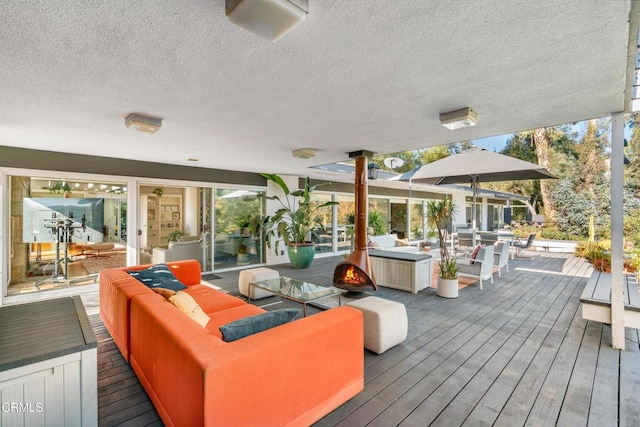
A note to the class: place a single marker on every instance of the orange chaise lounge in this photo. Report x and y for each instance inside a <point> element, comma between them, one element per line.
<point>292,374</point>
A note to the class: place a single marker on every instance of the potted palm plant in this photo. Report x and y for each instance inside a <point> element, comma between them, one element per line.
<point>295,220</point>
<point>439,214</point>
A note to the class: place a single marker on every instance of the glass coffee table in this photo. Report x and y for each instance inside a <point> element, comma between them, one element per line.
<point>296,290</point>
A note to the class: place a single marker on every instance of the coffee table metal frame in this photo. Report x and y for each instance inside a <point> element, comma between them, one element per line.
<point>295,290</point>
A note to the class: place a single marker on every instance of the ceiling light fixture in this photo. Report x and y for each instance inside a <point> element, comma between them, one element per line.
<point>270,19</point>
<point>143,123</point>
<point>304,153</point>
<point>457,119</point>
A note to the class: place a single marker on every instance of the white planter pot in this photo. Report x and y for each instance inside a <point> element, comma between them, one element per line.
<point>447,288</point>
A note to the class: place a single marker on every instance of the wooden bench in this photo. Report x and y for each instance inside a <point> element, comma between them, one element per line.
<point>596,299</point>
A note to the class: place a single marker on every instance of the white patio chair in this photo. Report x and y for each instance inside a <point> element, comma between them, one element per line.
<point>501,256</point>
<point>480,267</point>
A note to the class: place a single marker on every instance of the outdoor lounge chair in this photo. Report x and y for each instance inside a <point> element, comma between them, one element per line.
<point>480,267</point>
<point>521,245</point>
<point>501,257</point>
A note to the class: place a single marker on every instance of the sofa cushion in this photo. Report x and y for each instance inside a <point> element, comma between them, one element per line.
<point>190,307</point>
<point>229,315</point>
<point>212,300</point>
<point>158,276</point>
<point>166,293</point>
<point>475,253</point>
<point>251,325</point>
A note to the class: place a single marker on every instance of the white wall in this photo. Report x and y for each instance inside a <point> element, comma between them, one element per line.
<point>460,216</point>
<point>272,206</point>
<point>191,212</point>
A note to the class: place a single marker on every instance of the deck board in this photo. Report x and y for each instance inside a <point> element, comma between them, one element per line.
<point>516,353</point>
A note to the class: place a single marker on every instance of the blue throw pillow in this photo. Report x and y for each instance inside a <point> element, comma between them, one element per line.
<point>158,276</point>
<point>258,323</point>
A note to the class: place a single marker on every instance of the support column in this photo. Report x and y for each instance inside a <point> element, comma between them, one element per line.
<point>19,256</point>
<point>617,202</point>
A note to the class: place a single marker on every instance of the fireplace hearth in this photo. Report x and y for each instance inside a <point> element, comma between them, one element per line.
<point>355,274</point>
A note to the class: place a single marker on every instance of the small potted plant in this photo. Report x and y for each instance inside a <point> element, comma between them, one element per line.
<point>439,214</point>
<point>59,188</point>
<point>175,235</point>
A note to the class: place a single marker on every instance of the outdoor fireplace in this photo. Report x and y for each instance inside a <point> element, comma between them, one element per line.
<point>355,274</point>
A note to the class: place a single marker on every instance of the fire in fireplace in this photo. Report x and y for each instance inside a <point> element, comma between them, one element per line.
<point>355,274</point>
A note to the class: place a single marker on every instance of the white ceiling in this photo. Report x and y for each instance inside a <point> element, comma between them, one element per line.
<point>356,74</point>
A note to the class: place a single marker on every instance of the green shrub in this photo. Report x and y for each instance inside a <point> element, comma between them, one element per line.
<point>552,232</point>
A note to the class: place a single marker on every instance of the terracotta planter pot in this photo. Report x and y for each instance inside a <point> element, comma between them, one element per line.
<point>447,288</point>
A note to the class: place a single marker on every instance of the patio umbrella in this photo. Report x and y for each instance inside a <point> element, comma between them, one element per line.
<point>475,165</point>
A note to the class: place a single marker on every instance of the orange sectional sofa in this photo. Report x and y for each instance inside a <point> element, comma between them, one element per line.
<point>292,374</point>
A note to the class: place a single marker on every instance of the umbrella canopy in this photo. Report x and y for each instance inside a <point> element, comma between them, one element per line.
<point>485,165</point>
<point>476,165</point>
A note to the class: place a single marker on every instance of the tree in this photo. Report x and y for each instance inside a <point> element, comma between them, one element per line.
<point>432,154</point>
<point>591,157</point>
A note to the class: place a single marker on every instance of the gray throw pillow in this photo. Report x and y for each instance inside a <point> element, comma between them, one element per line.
<point>158,276</point>
<point>253,324</point>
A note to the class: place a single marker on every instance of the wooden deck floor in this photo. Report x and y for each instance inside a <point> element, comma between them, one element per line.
<point>516,353</point>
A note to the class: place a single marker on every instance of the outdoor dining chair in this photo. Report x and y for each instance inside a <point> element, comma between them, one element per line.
<point>465,241</point>
<point>521,245</point>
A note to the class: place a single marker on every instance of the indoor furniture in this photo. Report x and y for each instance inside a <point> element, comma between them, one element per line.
<point>94,249</point>
<point>178,251</point>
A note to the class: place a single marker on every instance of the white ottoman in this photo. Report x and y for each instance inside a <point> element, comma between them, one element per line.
<point>385,323</point>
<point>255,275</point>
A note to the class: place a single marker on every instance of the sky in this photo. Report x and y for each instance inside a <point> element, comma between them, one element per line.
<point>497,143</point>
<point>493,143</point>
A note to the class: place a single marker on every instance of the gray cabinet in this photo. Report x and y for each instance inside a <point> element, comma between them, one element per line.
<point>48,365</point>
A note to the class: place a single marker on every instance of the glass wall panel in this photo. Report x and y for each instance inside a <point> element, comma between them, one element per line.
<point>206,203</point>
<point>321,235</point>
<point>493,213</point>
<point>346,221</point>
<point>379,216</point>
<point>238,237</point>
<point>479,219</point>
<point>64,231</point>
<point>418,221</point>
<point>399,218</point>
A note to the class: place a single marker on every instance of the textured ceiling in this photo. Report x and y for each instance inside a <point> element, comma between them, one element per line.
<point>356,74</point>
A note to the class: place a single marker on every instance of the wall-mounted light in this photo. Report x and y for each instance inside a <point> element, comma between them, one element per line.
<point>270,19</point>
<point>372,171</point>
<point>143,123</point>
<point>457,119</point>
